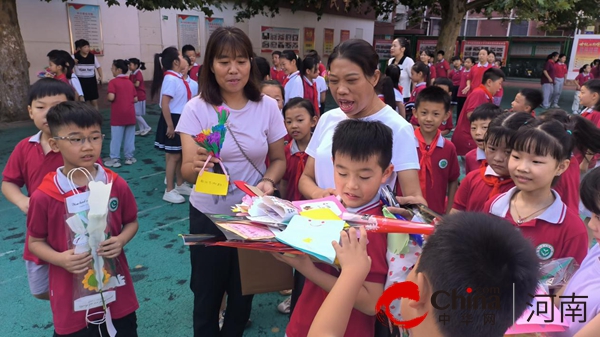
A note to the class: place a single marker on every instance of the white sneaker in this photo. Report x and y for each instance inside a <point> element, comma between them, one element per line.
<point>173,197</point>
<point>113,163</point>
<point>184,189</point>
<point>138,132</point>
<point>556,106</point>
<point>145,132</point>
<point>130,161</point>
<point>284,307</point>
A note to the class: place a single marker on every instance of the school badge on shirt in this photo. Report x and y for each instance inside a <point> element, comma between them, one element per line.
<point>113,204</point>
<point>443,163</point>
<point>544,251</point>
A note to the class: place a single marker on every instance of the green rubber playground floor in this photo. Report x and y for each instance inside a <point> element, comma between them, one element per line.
<point>159,262</point>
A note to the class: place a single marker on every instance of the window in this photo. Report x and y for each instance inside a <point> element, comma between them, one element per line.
<point>519,28</point>
<point>435,27</point>
<point>471,28</point>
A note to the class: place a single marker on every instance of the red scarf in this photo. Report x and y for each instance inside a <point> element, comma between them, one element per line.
<point>425,161</point>
<point>297,173</point>
<point>493,181</point>
<point>187,85</point>
<point>489,95</point>
<point>49,186</point>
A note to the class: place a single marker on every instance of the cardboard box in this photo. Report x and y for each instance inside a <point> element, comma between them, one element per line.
<point>261,273</point>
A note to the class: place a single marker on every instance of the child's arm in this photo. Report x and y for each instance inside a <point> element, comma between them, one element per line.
<point>99,69</point>
<point>111,91</point>
<point>13,193</point>
<point>332,318</point>
<point>73,263</point>
<point>112,247</point>
<point>323,97</point>
<point>135,99</point>
<point>136,84</point>
<point>167,115</point>
<point>452,187</point>
<point>283,184</point>
<point>401,109</point>
<point>110,97</point>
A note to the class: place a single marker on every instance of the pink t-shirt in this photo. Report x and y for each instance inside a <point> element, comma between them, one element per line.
<point>255,126</point>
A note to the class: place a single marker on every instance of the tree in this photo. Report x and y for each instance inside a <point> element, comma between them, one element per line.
<point>552,13</point>
<point>14,78</point>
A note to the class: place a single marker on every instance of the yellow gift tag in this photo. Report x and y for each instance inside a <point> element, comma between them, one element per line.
<point>320,214</point>
<point>212,183</point>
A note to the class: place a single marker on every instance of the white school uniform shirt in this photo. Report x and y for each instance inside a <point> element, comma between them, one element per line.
<point>174,87</point>
<point>405,80</point>
<point>76,84</point>
<point>193,86</point>
<point>294,87</point>
<point>321,86</point>
<point>404,155</point>
<point>480,154</point>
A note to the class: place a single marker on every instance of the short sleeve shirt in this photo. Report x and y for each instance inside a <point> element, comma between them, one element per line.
<point>137,76</point>
<point>473,192</point>
<point>122,109</point>
<point>462,138</point>
<point>174,87</point>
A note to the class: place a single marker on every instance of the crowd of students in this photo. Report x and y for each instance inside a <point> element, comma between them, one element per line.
<point>521,170</point>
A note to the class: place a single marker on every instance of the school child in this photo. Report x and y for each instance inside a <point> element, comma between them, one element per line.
<point>263,67</point>
<point>122,96</point>
<point>595,71</point>
<point>475,76</point>
<point>446,125</point>
<point>361,152</point>
<point>500,93</point>
<point>137,78</point>
<point>527,100</point>
<point>385,91</point>
<point>292,66</point>
<point>560,71</point>
<point>275,90</point>
<point>393,72</point>
<point>461,95</point>
<point>31,159</point>
<point>541,152</point>
<point>586,281</point>
<point>491,83</point>
<point>60,63</point>
<point>310,69</point>
<point>189,51</point>
<point>480,119</point>
<point>427,58</point>
<point>584,76</point>
<point>419,75</point>
<point>439,171</point>
<point>174,94</point>
<point>589,97</point>
<point>442,67</point>
<point>277,73</point>
<point>86,66</point>
<point>480,244</point>
<point>185,72</point>
<point>494,178</point>
<point>76,130</point>
<point>455,74</point>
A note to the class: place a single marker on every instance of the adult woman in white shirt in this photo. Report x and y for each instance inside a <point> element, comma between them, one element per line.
<point>353,75</point>
<point>405,63</point>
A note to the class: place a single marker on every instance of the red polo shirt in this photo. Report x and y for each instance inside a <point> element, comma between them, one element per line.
<point>582,78</point>
<point>141,90</point>
<point>464,75</point>
<point>278,75</point>
<point>122,110</point>
<point>560,70</point>
<point>592,115</point>
<point>441,68</point>
<point>455,75</point>
<point>295,161</point>
<point>416,90</point>
<point>556,233</point>
<point>193,73</point>
<point>567,185</point>
<point>476,75</point>
<point>462,134</point>
<point>313,296</point>
<point>473,160</point>
<point>473,192</point>
<point>46,219</point>
<point>432,71</point>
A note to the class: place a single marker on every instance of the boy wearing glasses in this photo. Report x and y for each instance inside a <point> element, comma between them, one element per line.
<point>29,162</point>
<point>76,134</point>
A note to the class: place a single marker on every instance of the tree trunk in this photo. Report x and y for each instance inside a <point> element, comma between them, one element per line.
<point>14,75</point>
<point>453,11</point>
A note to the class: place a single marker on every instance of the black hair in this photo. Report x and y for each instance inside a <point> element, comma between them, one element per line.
<point>263,66</point>
<point>590,191</point>
<point>393,72</point>
<point>404,43</point>
<point>491,261</point>
<point>582,69</point>
<point>385,87</point>
<point>594,87</point>
<point>359,52</point>
<point>314,54</point>
<point>45,87</point>
<point>189,62</point>
<point>138,64</point>
<point>441,52</point>
<point>79,114</point>
<point>585,135</point>
<point>443,81</point>
<point>533,97</point>
<point>187,47</point>
<point>421,67</point>
<point>595,62</point>
<point>299,102</point>
<point>290,55</point>
<point>484,112</point>
<point>493,74</point>
<point>310,63</point>
<point>430,54</point>
<point>552,55</point>
<point>63,59</point>
<point>433,94</point>
<point>362,139</point>
<point>275,83</point>
<point>277,52</point>
<point>81,43</point>
<point>471,58</point>
<point>163,62</point>
<point>455,58</point>
<point>493,53</point>
<point>123,65</point>
<point>562,55</point>
<point>503,128</point>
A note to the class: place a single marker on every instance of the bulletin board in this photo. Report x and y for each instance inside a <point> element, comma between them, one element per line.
<point>85,23</point>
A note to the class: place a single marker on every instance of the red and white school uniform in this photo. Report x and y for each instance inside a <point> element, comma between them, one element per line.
<point>295,161</point>
<point>476,75</point>
<point>567,185</point>
<point>311,93</point>
<point>46,220</point>
<point>122,110</point>
<point>592,115</point>
<point>313,296</point>
<point>277,75</point>
<point>478,187</point>
<point>140,90</point>
<point>432,71</point>
<point>416,90</point>
<point>560,70</point>
<point>464,76</point>
<point>462,134</point>
<point>556,233</point>
<point>455,75</point>
<point>441,68</point>
<point>193,73</point>
<point>583,77</point>
<point>293,86</point>
<point>474,159</point>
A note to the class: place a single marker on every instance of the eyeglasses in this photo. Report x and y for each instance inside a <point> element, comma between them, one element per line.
<point>80,140</point>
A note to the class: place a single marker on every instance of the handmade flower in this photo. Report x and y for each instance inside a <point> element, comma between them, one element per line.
<point>206,132</point>
<point>200,138</point>
<point>91,283</point>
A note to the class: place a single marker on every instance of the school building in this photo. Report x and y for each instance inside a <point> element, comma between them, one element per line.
<point>120,32</point>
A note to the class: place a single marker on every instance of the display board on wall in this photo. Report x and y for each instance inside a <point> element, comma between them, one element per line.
<point>188,30</point>
<point>382,47</point>
<point>309,39</point>
<point>276,38</point>
<point>586,49</point>
<point>85,23</point>
<point>344,35</point>
<point>212,24</point>
<point>472,48</point>
<point>328,42</point>
<point>430,46</point>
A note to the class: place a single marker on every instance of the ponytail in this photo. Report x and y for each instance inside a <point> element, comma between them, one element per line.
<point>582,69</point>
<point>586,136</point>
<point>63,59</point>
<point>290,55</point>
<point>385,87</point>
<point>162,62</point>
<point>423,68</point>
<point>140,65</point>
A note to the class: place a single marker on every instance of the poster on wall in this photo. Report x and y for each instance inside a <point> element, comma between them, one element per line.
<point>276,38</point>
<point>430,46</point>
<point>212,24</point>
<point>472,48</point>
<point>586,49</point>
<point>382,47</point>
<point>328,42</point>
<point>85,23</point>
<point>309,39</point>
<point>188,30</point>
<point>344,35</point>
